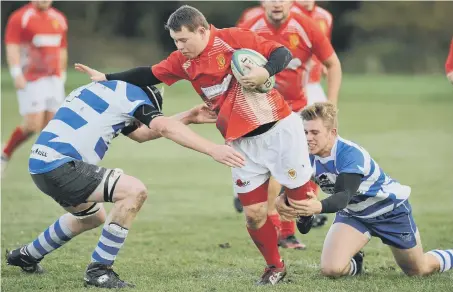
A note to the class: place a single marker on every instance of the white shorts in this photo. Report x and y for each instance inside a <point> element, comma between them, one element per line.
<point>44,94</point>
<point>281,152</point>
<point>315,93</point>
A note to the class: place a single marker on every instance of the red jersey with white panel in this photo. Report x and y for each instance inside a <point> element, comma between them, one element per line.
<point>303,38</point>
<point>239,111</point>
<point>324,19</point>
<point>41,35</point>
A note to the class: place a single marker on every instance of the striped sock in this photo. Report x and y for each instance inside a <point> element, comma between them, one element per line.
<point>353,267</point>
<point>110,243</point>
<point>445,258</point>
<point>52,238</point>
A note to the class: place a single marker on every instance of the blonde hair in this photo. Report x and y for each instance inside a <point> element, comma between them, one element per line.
<point>325,111</point>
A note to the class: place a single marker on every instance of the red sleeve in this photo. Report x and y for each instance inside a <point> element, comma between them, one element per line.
<point>247,39</point>
<point>13,29</point>
<point>321,46</point>
<point>449,63</point>
<point>169,70</point>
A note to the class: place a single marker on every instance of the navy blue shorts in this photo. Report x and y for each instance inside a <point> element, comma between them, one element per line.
<point>395,228</point>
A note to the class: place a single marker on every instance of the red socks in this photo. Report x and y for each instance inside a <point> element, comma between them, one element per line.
<point>16,139</point>
<point>266,240</point>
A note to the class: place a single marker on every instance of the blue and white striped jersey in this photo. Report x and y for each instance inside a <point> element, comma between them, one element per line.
<point>378,193</point>
<point>82,129</point>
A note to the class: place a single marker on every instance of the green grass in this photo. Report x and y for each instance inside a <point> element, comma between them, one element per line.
<point>405,122</point>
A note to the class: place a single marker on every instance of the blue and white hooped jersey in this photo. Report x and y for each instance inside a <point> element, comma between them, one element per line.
<point>378,193</point>
<point>83,127</point>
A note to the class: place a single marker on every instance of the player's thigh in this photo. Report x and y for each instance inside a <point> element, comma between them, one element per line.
<point>345,238</point>
<point>252,175</point>
<point>291,165</point>
<point>56,93</point>
<point>34,122</point>
<point>71,183</point>
<point>77,182</point>
<point>87,215</point>
<point>315,93</point>
<point>412,261</point>
<point>31,98</point>
<point>273,192</point>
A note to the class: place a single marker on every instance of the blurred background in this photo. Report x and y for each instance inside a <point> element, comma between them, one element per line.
<point>370,37</point>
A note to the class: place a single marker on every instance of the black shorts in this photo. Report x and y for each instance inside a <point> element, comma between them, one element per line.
<point>70,184</point>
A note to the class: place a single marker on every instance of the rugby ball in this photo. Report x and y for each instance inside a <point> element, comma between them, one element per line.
<point>243,57</point>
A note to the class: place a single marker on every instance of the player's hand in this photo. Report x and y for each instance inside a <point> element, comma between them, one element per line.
<point>202,115</point>
<point>95,75</point>
<point>227,155</point>
<point>287,213</point>
<point>307,207</point>
<point>20,82</point>
<point>255,77</point>
<point>450,77</point>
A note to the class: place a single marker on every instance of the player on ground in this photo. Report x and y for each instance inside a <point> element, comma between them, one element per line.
<point>304,39</point>
<point>449,64</point>
<point>63,165</point>
<point>261,126</point>
<point>36,52</point>
<point>367,202</point>
<point>315,68</point>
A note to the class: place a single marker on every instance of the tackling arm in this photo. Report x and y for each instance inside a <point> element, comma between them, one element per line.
<point>346,187</point>
<point>140,76</point>
<point>142,133</point>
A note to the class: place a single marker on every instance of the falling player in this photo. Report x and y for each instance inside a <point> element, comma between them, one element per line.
<point>305,40</point>
<point>366,200</point>
<point>63,165</point>
<point>36,52</point>
<point>258,125</point>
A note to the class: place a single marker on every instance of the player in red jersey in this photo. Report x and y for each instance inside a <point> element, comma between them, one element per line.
<point>36,51</point>
<point>261,126</point>
<point>255,11</point>
<point>304,39</point>
<point>449,64</point>
<point>324,19</point>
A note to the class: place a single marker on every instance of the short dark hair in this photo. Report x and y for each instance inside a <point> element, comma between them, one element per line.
<point>187,16</point>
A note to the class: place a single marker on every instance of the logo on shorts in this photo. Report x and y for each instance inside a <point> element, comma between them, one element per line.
<point>406,237</point>
<point>241,183</point>
<point>292,173</point>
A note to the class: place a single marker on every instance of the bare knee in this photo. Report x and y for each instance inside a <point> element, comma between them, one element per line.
<point>136,197</point>
<point>256,215</point>
<point>95,220</point>
<point>332,270</point>
<point>33,123</point>
<point>416,271</point>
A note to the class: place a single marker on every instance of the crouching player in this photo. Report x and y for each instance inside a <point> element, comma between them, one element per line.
<point>63,165</point>
<point>367,202</point>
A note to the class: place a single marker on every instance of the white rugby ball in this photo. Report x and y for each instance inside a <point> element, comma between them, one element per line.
<point>246,56</point>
